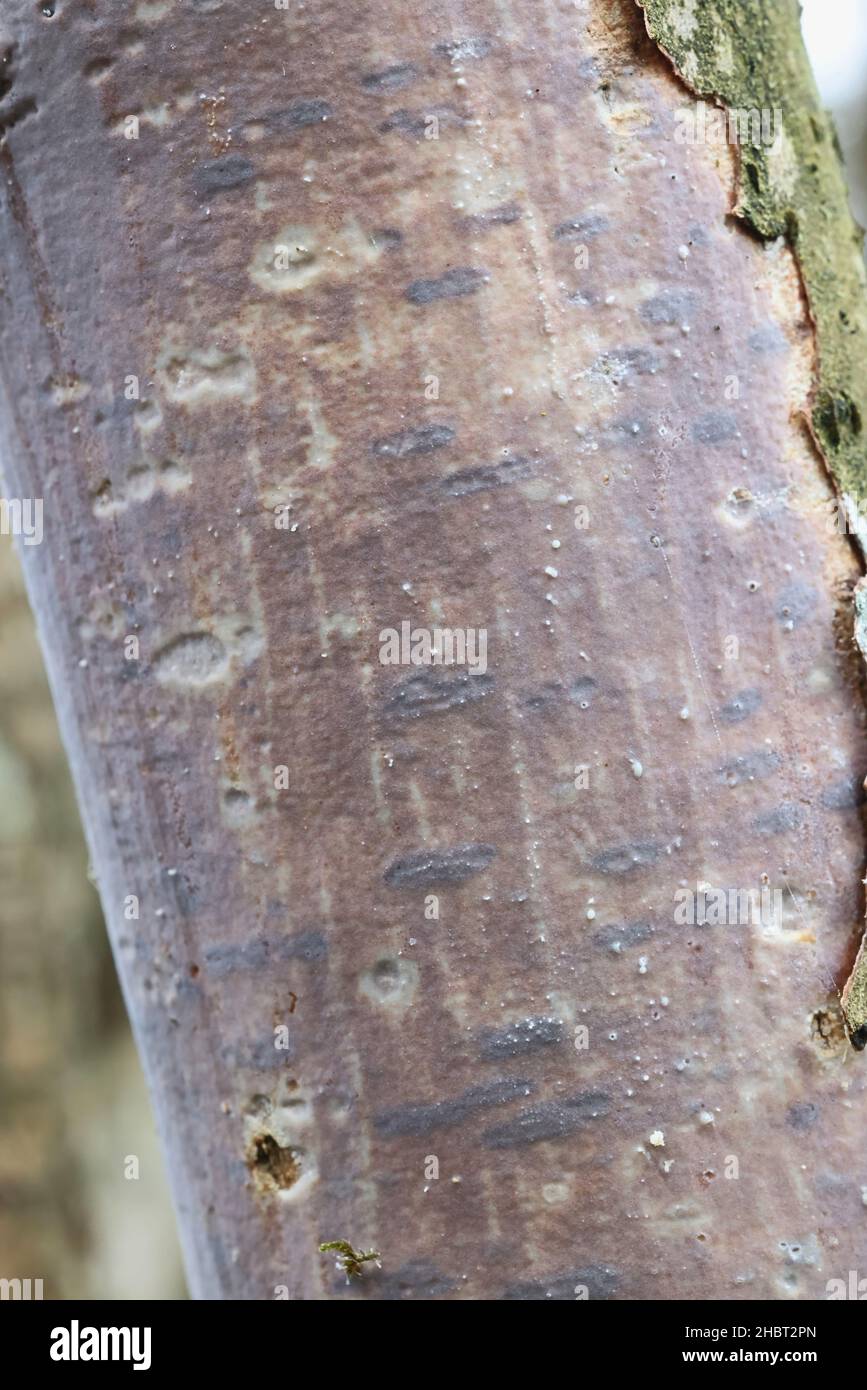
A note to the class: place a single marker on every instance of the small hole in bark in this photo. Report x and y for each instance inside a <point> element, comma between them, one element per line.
<point>273,1166</point>
<point>859,1038</point>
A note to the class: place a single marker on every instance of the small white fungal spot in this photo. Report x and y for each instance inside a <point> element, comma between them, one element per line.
<point>657,1139</point>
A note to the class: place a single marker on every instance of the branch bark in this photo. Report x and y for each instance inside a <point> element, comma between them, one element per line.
<point>368,324</point>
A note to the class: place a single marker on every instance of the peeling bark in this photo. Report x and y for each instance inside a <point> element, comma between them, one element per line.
<point>528,377</point>
<point>790,187</point>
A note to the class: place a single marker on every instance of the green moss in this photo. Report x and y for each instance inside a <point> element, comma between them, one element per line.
<point>749,55</point>
<point>350,1260</point>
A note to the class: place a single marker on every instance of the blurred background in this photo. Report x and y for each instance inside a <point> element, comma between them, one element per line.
<point>835,32</point>
<point>73,1106</point>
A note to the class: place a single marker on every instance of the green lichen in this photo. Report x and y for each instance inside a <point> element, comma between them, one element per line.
<point>749,56</point>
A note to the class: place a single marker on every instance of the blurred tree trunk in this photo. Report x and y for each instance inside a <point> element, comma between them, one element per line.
<point>316,323</point>
<point>72,1100</point>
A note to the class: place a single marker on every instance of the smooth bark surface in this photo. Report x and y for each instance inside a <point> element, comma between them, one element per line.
<point>436,285</point>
